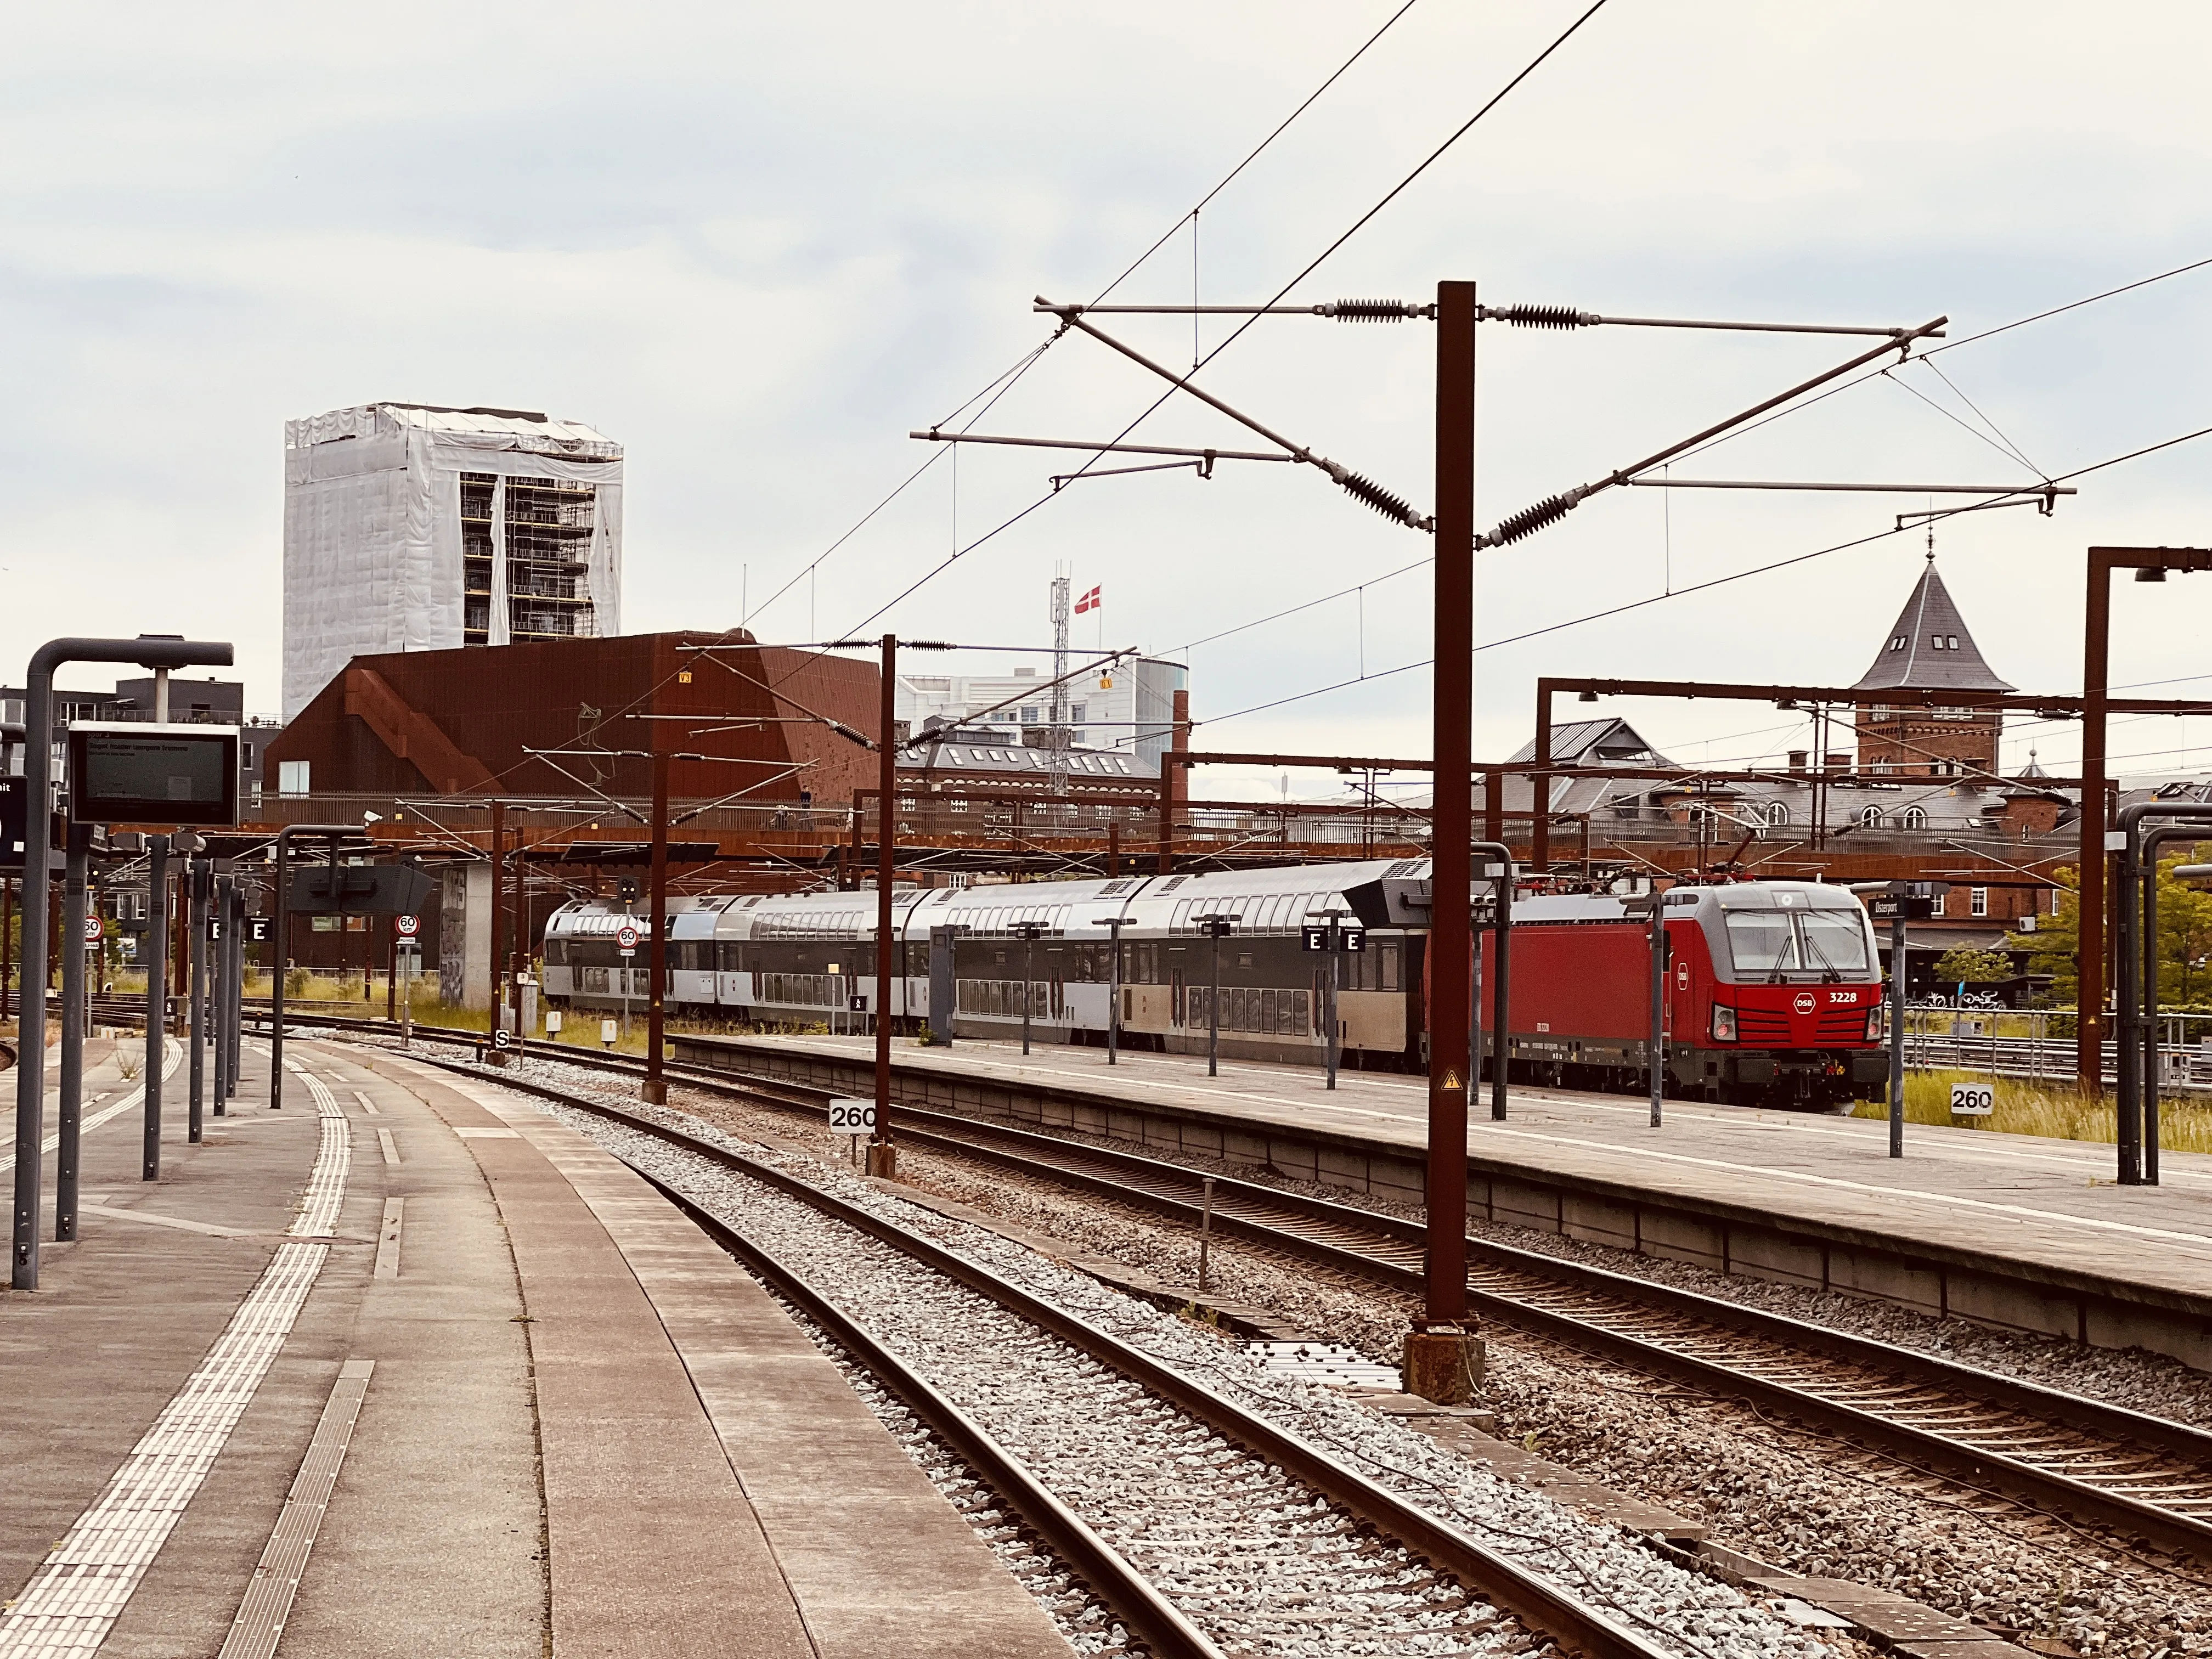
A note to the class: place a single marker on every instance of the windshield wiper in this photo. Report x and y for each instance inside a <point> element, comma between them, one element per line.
<point>1831,975</point>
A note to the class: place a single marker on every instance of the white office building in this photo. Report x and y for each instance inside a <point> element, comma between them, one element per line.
<point>1127,706</point>
<point>414,528</point>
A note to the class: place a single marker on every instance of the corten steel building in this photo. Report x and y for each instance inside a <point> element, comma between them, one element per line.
<point>407,725</point>
<point>1929,648</point>
<point>409,527</point>
<point>460,722</point>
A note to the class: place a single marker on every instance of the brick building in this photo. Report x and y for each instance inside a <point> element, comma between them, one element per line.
<point>1929,648</point>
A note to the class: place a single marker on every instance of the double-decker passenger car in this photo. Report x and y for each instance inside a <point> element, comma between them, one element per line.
<point>1773,991</point>
<point>797,959</point>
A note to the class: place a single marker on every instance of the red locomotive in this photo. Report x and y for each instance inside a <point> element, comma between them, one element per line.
<point>1774,994</point>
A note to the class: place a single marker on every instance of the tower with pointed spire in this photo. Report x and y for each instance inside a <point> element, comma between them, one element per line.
<point>1929,648</point>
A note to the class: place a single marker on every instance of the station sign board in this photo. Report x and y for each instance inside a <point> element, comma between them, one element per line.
<point>15,817</point>
<point>1900,907</point>
<point>852,1117</point>
<point>130,772</point>
<point>358,890</point>
<point>1972,1100</point>
<point>259,930</point>
<point>1329,936</point>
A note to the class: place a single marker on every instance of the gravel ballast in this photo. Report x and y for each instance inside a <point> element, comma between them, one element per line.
<point>1267,1565</point>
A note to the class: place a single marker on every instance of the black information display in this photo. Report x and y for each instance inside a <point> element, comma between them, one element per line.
<point>13,793</point>
<point>121,773</point>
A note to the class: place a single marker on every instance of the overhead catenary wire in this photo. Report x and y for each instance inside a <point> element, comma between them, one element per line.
<point>1005,380</point>
<point>1698,587</point>
<point>1390,196</point>
<point>2002,328</point>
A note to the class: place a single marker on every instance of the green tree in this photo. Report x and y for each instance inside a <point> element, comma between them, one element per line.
<point>2184,936</point>
<point>1975,967</point>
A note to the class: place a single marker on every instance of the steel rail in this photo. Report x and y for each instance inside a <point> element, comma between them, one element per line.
<point>1132,1596</point>
<point>1543,1606</point>
<point>1854,1388</point>
<point>1849,1387</point>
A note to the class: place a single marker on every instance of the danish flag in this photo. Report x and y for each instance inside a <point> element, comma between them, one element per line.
<point>1089,601</point>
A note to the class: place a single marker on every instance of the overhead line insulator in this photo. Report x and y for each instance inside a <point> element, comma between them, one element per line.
<point>1389,506</point>
<point>1529,520</point>
<point>1374,311</point>
<point>1542,316</point>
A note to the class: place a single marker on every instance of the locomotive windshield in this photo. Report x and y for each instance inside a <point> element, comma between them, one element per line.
<point>1829,943</point>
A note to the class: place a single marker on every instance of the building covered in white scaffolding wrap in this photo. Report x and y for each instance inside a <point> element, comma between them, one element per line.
<point>413,528</point>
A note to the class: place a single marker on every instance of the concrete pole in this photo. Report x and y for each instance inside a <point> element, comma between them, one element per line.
<point>218,994</point>
<point>1898,949</point>
<point>654,1089</point>
<point>196,1018</point>
<point>156,949</point>
<point>1655,1055</point>
<point>71,1104</point>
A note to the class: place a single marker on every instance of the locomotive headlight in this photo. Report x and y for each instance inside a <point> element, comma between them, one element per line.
<point>1723,1024</point>
<point>1874,1024</point>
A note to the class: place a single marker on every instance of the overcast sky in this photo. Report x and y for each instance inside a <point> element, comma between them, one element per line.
<point>758,245</point>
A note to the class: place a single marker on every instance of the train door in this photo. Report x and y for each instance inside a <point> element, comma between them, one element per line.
<point>1689,977</point>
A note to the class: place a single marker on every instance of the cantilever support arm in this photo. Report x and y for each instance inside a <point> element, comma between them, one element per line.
<point>1529,520</point>
<point>1363,489</point>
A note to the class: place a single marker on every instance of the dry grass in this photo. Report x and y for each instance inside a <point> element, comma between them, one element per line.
<point>2025,1107</point>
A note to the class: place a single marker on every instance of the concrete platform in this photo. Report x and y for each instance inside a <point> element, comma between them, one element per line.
<point>486,1393</point>
<point>2009,1230</point>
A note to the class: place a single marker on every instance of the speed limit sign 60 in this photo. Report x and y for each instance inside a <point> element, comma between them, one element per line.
<point>406,926</point>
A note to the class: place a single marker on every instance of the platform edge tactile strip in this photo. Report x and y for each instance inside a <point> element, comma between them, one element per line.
<point>75,1598</point>
<point>268,1603</point>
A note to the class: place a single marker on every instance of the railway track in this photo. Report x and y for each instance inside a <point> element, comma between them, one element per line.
<point>2146,1480</point>
<point>1323,1535</point>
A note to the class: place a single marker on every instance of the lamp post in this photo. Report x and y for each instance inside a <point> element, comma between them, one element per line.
<point>75,883</point>
<point>156,949</point>
<point>1335,938</point>
<point>1029,932</point>
<point>1216,925</point>
<point>2137,1001</point>
<point>1652,907</point>
<point>160,655</point>
<point>333,834</point>
<point>2150,564</point>
<point>1897,902</point>
<point>1114,925</point>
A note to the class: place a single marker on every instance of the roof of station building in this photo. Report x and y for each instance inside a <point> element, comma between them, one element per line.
<point>1929,647</point>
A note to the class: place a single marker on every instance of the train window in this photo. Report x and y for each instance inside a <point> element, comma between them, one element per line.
<point>1761,941</point>
<point>1389,959</point>
<point>1834,940</point>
